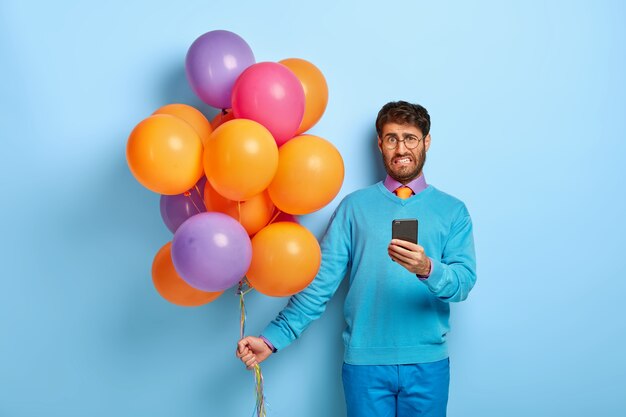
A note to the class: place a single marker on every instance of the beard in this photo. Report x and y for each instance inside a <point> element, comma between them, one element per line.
<point>406,174</point>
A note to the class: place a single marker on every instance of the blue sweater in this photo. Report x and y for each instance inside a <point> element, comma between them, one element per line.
<point>392,317</point>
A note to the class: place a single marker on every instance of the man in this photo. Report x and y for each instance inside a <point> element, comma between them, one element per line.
<point>397,306</point>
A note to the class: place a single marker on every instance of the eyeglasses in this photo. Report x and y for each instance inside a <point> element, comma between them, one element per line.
<point>391,142</point>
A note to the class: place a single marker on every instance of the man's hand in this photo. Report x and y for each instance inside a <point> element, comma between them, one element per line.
<point>409,255</point>
<point>252,351</point>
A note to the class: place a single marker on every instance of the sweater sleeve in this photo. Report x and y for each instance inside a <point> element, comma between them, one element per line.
<point>452,278</point>
<point>310,303</point>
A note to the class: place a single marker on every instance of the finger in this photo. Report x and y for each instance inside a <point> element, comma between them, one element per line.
<point>397,249</point>
<point>406,265</point>
<point>414,247</point>
<point>414,258</point>
<point>401,259</point>
<point>242,344</point>
<point>245,351</point>
<point>403,254</point>
<point>247,357</point>
<point>250,362</point>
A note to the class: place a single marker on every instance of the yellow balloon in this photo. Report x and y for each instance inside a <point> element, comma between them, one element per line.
<point>310,173</point>
<point>315,90</point>
<point>191,115</point>
<point>164,153</point>
<point>285,259</point>
<point>240,159</point>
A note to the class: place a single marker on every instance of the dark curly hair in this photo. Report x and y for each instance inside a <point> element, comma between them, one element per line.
<point>403,113</point>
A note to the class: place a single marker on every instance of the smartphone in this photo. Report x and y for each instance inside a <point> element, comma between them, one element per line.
<point>404,229</point>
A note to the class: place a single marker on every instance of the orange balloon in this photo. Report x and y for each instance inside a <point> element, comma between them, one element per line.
<point>171,286</point>
<point>285,259</point>
<point>191,115</point>
<point>315,90</point>
<point>240,159</point>
<point>310,174</point>
<point>221,118</point>
<point>253,214</point>
<point>164,154</point>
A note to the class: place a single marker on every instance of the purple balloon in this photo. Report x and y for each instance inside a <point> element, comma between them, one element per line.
<point>175,209</point>
<point>211,251</point>
<point>214,62</point>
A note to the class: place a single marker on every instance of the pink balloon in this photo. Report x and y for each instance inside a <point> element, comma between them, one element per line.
<point>286,217</point>
<point>270,94</point>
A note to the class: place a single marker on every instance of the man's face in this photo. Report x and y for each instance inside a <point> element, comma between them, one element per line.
<point>403,164</point>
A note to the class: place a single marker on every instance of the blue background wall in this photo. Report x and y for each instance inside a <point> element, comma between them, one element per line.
<point>527,102</point>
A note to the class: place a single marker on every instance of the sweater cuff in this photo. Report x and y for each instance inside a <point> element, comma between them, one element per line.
<point>268,343</point>
<point>276,337</point>
<point>435,280</point>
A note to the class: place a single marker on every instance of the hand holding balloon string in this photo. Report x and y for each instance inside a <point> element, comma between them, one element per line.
<point>252,363</point>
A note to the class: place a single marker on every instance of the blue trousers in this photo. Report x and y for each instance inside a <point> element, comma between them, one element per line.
<point>397,390</point>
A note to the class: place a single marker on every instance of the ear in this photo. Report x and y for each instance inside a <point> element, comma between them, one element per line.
<point>380,144</point>
<point>427,142</point>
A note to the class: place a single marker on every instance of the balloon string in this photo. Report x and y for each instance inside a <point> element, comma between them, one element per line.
<point>201,196</point>
<point>274,218</point>
<point>258,375</point>
<point>239,210</point>
<point>188,194</point>
<point>260,398</point>
<point>242,306</point>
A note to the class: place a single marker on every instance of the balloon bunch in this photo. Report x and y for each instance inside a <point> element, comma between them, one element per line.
<point>231,187</point>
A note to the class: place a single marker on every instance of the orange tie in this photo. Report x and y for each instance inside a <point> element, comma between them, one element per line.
<point>404,192</point>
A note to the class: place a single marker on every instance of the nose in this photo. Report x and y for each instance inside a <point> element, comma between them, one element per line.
<point>401,142</point>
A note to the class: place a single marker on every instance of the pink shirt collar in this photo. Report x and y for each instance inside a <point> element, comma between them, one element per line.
<point>417,185</point>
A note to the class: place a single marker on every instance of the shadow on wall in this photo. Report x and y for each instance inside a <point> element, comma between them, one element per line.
<point>377,173</point>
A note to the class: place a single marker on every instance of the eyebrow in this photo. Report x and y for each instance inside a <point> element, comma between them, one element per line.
<point>405,135</point>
